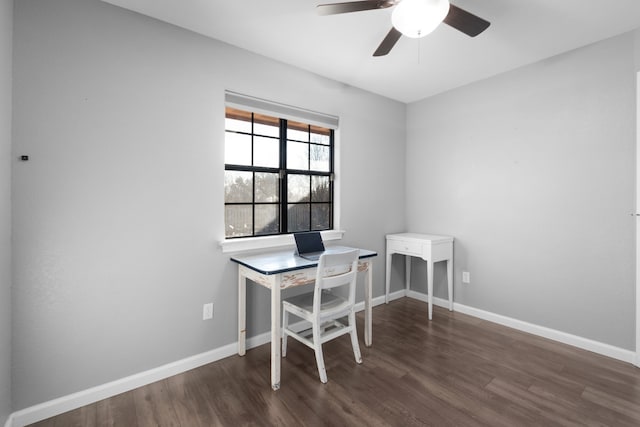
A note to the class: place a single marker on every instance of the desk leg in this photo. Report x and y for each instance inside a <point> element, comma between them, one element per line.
<point>388,278</point>
<point>430,287</point>
<point>242,313</point>
<point>275,333</point>
<point>368,292</point>
<point>450,282</point>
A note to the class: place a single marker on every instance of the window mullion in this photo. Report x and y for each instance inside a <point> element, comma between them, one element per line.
<point>284,197</point>
<point>253,180</point>
<point>310,222</point>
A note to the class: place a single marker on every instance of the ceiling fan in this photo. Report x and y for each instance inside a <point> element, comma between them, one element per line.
<point>412,18</point>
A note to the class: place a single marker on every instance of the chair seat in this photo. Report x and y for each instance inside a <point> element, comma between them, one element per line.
<point>328,331</point>
<point>305,301</point>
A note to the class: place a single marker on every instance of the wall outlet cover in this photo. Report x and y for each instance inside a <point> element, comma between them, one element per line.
<point>207,311</point>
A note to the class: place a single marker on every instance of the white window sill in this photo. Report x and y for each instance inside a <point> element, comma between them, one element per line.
<point>270,242</point>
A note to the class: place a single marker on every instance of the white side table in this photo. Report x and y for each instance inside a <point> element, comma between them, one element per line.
<point>430,248</point>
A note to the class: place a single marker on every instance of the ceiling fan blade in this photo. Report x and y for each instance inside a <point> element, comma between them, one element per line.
<point>352,6</point>
<point>466,22</point>
<point>387,44</point>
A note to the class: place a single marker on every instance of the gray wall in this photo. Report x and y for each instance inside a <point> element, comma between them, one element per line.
<point>118,214</point>
<point>533,172</point>
<point>6,31</point>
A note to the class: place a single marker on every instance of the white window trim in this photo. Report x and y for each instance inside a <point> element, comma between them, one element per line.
<point>271,242</point>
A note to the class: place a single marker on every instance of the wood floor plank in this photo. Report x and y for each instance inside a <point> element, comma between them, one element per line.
<point>154,407</point>
<point>455,370</point>
<point>118,410</point>
<point>621,406</point>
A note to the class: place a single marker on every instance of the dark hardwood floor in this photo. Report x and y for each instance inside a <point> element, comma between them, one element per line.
<point>453,371</point>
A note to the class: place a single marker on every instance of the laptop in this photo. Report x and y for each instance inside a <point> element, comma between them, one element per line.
<point>309,245</point>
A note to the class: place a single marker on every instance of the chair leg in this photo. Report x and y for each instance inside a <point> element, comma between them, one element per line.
<point>285,325</point>
<point>354,338</point>
<point>318,351</point>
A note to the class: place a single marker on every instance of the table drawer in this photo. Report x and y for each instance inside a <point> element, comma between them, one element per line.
<point>407,247</point>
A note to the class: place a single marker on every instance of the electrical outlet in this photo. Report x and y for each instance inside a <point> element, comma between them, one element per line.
<point>466,277</point>
<point>207,311</point>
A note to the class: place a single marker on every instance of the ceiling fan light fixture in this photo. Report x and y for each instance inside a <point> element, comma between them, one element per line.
<point>417,18</point>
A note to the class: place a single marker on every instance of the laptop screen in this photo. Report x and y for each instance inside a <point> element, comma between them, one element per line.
<point>308,242</point>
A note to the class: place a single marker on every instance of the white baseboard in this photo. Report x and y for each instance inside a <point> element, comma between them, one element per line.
<point>375,301</point>
<point>76,400</point>
<point>85,397</point>
<point>552,334</point>
<point>440,302</point>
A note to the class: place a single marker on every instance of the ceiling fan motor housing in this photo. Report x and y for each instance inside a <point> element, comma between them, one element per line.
<point>417,18</point>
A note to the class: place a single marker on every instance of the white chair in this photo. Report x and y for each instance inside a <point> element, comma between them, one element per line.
<point>322,307</point>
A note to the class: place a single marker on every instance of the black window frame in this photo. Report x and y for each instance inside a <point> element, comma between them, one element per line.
<point>284,174</point>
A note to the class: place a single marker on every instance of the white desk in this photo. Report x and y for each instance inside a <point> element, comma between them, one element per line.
<point>280,270</point>
<point>430,248</point>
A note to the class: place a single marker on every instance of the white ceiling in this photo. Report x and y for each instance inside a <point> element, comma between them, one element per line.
<point>340,46</point>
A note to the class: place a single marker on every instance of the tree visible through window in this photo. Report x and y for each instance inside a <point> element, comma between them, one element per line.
<point>278,175</point>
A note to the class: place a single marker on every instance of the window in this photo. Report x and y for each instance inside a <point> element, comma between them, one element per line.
<point>278,175</point>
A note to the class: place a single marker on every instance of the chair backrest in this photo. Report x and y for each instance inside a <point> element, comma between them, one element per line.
<point>336,269</point>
